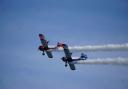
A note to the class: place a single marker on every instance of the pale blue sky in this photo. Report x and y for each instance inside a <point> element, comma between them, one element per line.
<point>75,22</point>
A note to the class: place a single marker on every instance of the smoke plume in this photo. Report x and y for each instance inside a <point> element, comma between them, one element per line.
<point>119,61</point>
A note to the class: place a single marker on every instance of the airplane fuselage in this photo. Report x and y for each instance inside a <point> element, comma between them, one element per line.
<point>71,59</point>
<point>42,48</point>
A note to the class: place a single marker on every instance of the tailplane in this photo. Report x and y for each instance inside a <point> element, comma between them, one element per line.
<point>83,56</point>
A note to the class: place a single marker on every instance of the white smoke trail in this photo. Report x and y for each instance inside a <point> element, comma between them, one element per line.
<point>119,60</point>
<point>107,47</point>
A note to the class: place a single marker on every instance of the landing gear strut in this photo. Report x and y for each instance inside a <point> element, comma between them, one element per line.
<point>43,53</point>
<point>66,64</point>
<point>65,60</point>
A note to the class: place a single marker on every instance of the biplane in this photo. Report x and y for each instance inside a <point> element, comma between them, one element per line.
<point>44,47</point>
<point>68,56</point>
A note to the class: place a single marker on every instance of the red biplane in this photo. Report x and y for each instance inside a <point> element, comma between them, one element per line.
<point>44,47</point>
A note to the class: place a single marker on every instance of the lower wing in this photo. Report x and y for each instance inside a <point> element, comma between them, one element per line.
<point>49,53</point>
<point>72,66</point>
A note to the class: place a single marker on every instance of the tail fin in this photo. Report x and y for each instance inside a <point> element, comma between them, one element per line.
<point>83,56</point>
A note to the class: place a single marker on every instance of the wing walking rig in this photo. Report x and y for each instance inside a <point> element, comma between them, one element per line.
<point>68,55</point>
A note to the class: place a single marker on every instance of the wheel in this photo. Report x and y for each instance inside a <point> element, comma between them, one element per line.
<point>43,53</point>
<point>66,65</point>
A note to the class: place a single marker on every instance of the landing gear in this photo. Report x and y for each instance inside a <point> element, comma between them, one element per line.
<point>65,60</point>
<point>43,53</point>
<point>66,64</point>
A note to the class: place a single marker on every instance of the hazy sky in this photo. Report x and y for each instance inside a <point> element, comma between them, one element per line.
<point>75,22</point>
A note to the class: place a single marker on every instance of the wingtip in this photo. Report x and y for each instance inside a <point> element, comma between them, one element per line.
<point>40,34</point>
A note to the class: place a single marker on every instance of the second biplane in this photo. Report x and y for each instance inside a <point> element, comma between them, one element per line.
<point>68,56</point>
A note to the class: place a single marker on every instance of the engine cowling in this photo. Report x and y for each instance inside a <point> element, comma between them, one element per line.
<point>41,48</point>
<point>63,59</point>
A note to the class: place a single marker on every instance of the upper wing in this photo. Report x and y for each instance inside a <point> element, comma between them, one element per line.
<point>67,52</point>
<point>43,40</point>
<point>68,56</point>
